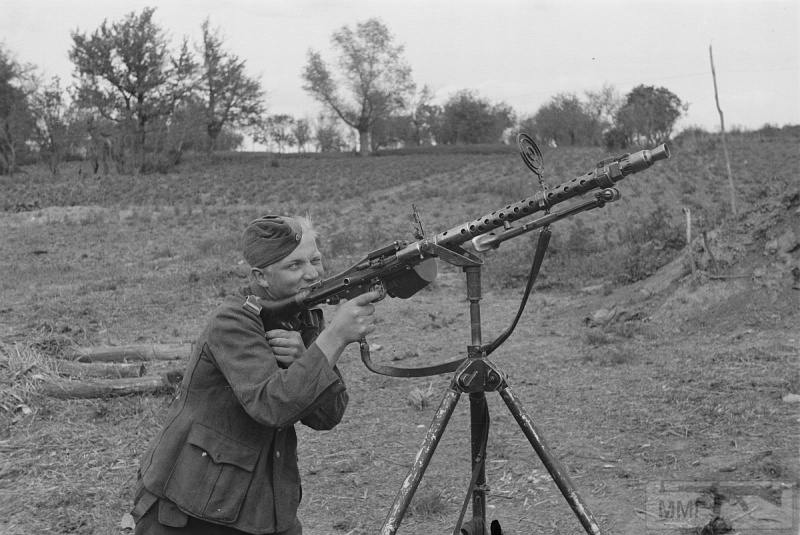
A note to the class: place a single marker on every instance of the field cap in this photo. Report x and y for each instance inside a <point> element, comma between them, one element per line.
<point>270,238</point>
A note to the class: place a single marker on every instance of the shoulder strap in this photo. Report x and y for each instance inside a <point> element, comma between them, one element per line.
<point>311,324</point>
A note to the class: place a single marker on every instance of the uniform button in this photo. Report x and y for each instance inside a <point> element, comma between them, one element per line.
<point>277,454</point>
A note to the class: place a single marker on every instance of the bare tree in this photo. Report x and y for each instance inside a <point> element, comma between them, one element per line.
<point>424,117</point>
<point>301,131</point>
<point>127,75</point>
<point>602,107</point>
<point>230,97</point>
<point>52,123</point>
<point>372,71</point>
<point>278,129</point>
<point>16,120</point>
<point>328,135</point>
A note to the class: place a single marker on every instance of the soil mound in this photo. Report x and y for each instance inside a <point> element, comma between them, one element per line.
<point>743,273</point>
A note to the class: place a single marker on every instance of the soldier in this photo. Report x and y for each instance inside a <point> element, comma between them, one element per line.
<point>225,462</point>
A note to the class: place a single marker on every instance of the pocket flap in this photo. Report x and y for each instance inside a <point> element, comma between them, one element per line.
<point>223,449</point>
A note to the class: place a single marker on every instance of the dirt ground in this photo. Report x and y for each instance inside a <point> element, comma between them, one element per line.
<point>645,402</point>
<point>689,377</point>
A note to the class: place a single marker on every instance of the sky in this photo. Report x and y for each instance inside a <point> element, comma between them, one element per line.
<point>519,52</point>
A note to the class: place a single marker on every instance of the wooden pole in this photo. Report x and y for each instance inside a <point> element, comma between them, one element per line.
<point>722,131</point>
<point>688,213</point>
<point>714,265</point>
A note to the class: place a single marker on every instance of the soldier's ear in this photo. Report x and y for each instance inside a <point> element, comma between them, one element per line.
<point>259,277</point>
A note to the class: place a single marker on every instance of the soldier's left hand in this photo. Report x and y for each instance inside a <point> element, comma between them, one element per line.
<point>287,345</point>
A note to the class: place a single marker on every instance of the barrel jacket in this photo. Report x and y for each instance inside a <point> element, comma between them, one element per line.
<point>228,451</point>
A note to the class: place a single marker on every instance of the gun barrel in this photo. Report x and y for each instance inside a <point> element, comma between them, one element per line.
<point>605,175</point>
<point>643,159</point>
<point>404,272</point>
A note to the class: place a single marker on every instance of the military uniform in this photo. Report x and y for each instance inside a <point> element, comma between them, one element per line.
<point>227,455</point>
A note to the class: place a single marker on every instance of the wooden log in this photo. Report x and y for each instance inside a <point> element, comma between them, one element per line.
<point>150,384</point>
<point>99,369</point>
<point>131,353</point>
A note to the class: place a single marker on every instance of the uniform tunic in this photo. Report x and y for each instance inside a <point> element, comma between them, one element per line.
<point>228,451</point>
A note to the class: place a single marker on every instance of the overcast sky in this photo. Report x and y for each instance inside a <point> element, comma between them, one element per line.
<point>522,52</point>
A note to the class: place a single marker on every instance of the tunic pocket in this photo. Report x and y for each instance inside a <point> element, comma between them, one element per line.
<point>212,474</point>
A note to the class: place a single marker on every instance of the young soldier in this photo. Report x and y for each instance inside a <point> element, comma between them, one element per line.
<point>225,462</point>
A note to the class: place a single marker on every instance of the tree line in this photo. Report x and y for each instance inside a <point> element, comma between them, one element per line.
<point>138,105</point>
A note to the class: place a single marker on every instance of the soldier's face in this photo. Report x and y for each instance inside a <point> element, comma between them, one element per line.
<point>295,273</point>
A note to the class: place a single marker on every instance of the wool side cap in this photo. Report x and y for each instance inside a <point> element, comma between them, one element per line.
<point>269,239</point>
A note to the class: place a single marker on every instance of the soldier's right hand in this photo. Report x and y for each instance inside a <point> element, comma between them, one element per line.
<point>354,318</point>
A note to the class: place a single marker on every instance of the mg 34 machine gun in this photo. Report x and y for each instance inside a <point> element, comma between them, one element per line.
<point>401,269</point>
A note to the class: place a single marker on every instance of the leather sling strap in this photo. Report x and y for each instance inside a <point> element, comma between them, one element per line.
<point>394,371</point>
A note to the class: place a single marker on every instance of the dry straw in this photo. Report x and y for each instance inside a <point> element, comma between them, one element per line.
<point>23,368</point>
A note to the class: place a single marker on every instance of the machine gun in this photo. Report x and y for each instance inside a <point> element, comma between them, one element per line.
<point>401,269</point>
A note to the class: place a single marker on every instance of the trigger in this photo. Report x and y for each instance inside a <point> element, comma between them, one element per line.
<point>380,288</point>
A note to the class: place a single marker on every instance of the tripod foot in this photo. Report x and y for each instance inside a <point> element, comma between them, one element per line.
<point>474,527</point>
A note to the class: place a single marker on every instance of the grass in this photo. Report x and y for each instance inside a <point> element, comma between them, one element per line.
<point>428,503</point>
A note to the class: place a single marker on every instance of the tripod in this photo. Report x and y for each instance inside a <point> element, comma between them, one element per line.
<point>475,376</point>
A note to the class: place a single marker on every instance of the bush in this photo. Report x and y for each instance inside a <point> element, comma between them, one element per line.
<point>648,244</point>
<point>584,255</point>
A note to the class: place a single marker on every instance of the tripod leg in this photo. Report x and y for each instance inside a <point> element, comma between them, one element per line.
<point>557,471</point>
<point>411,482</point>
<point>479,418</point>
